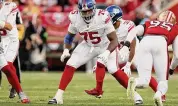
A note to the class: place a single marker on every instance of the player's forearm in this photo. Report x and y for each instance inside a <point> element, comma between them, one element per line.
<point>113,41</point>
<point>137,31</point>
<point>112,46</point>
<point>5,25</point>
<point>132,50</point>
<point>68,40</point>
<point>67,46</point>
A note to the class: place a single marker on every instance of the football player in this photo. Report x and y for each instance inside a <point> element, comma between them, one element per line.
<point>174,61</point>
<point>8,51</point>
<point>158,34</point>
<point>99,40</point>
<point>122,29</point>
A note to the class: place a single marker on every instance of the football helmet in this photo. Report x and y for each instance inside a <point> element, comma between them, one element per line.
<point>167,16</point>
<point>115,13</point>
<point>1,1</point>
<point>87,9</point>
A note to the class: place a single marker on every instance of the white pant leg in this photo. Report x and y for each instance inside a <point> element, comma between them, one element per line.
<point>81,55</point>
<point>3,61</point>
<point>144,65</point>
<point>12,49</point>
<point>160,61</point>
<point>112,64</point>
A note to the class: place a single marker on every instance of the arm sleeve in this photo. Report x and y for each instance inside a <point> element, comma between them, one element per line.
<point>174,61</point>
<point>72,29</point>
<point>11,18</point>
<point>137,31</point>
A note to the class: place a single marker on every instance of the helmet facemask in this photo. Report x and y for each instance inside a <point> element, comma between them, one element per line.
<point>87,10</point>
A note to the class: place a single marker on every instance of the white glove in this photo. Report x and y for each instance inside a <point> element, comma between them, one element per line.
<point>65,54</point>
<point>103,58</point>
<point>124,52</point>
<point>2,24</point>
<point>126,69</point>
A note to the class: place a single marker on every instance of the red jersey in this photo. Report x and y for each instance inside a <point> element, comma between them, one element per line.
<point>168,30</point>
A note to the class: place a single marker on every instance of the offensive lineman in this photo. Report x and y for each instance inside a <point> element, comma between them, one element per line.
<point>100,40</point>
<point>122,29</point>
<point>8,30</point>
<point>158,34</point>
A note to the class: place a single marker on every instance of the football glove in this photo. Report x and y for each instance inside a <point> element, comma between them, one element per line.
<point>65,54</point>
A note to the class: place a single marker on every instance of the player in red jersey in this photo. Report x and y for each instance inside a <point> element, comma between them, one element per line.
<point>158,34</point>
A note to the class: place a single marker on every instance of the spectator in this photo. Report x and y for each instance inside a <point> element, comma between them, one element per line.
<point>34,45</point>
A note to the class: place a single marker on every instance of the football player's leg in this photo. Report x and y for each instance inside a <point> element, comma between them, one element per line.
<point>144,72</point>
<point>153,83</point>
<point>17,66</point>
<point>174,61</point>
<point>10,71</point>
<point>80,56</point>
<point>161,66</point>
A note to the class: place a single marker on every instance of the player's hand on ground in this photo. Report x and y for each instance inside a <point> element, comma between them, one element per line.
<point>171,71</point>
<point>103,57</point>
<point>127,69</point>
<point>65,54</point>
<point>124,52</point>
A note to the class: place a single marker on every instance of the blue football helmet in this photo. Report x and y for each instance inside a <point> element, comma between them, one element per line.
<point>1,1</point>
<point>87,9</point>
<point>115,13</point>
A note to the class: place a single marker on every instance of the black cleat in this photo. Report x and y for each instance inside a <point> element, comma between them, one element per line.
<point>52,101</point>
<point>12,93</point>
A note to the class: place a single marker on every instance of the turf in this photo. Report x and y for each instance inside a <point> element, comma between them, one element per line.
<point>40,87</point>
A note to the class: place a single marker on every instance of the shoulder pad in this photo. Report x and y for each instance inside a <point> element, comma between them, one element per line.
<point>73,15</point>
<point>103,15</point>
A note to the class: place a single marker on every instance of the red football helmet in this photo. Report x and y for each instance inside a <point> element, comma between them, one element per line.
<point>167,16</point>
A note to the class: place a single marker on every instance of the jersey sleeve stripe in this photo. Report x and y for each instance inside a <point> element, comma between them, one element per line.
<point>130,28</point>
<point>108,19</point>
<point>14,9</point>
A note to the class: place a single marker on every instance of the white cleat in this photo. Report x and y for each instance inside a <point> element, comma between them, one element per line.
<point>157,99</point>
<point>138,99</point>
<point>55,101</point>
<point>131,88</point>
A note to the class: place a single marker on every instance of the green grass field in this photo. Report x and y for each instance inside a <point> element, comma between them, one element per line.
<point>40,87</point>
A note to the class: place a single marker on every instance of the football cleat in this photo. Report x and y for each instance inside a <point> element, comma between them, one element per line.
<point>12,93</point>
<point>138,102</point>
<point>54,101</point>
<point>138,99</point>
<point>24,98</point>
<point>131,88</point>
<point>25,101</point>
<point>94,92</point>
<point>157,99</point>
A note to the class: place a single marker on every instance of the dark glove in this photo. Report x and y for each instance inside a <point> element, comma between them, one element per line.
<point>171,71</point>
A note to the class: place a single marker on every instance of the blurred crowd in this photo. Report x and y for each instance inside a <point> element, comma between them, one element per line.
<point>37,30</point>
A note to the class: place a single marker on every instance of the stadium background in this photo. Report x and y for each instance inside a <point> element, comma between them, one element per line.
<point>53,16</point>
